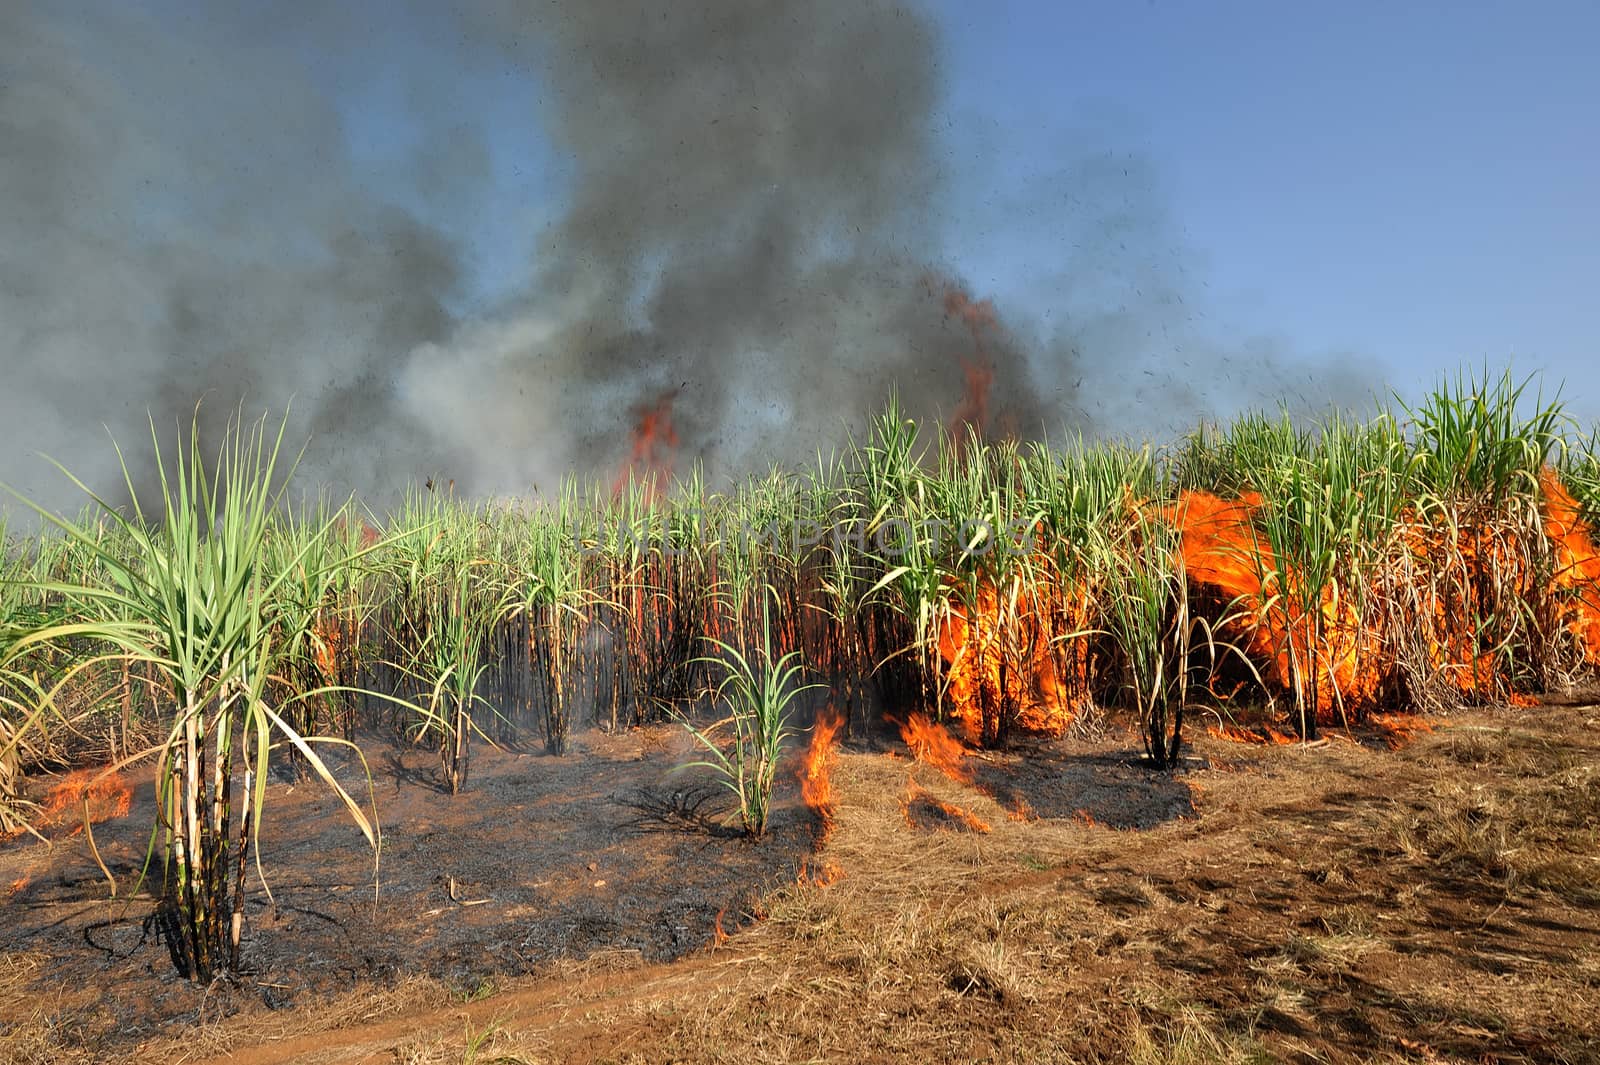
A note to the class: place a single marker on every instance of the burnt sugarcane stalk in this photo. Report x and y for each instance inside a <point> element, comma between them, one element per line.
<point>236,918</point>
<point>197,886</point>
<point>455,745</point>
<point>555,720</point>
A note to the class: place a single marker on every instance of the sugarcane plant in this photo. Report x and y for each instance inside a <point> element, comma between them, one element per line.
<point>556,602</point>
<point>1481,444</point>
<point>911,601</point>
<point>758,693</point>
<point>453,598</point>
<point>193,594</point>
<point>1304,543</point>
<point>1145,611</point>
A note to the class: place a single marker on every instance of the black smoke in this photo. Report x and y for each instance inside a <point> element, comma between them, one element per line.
<point>756,217</point>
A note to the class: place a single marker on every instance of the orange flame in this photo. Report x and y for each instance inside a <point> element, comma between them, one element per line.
<point>108,797</point>
<point>719,936</point>
<point>654,449</point>
<point>1577,563</point>
<point>1399,729</point>
<point>918,800</point>
<point>1014,648</point>
<point>367,533</point>
<point>1019,810</point>
<point>931,743</point>
<point>816,773</point>
<point>1265,735</point>
<point>1463,559</point>
<point>829,872</point>
<point>326,644</point>
<point>1221,550</point>
<point>999,652</point>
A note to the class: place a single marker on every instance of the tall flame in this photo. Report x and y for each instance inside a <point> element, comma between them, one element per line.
<point>816,773</point>
<point>1577,563</point>
<point>1221,550</point>
<point>1002,650</point>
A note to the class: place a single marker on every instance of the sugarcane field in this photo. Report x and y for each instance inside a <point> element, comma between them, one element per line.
<point>801,532</point>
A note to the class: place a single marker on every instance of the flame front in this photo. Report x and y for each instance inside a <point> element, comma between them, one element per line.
<point>1020,650</point>
<point>1223,555</point>
<point>1577,570</point>
<point>816,774</point>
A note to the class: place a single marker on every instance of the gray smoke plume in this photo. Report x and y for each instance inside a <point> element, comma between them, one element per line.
<point>181,217</point>
<point>751,234</point>
<point>756,232</point>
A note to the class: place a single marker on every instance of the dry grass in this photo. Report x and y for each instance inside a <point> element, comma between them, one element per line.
<point>34,1028</point>
<point>1332,904</point>
<point>491,1044</point>
<point>1526,815</point>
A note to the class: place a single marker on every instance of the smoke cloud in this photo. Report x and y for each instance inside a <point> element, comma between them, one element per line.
<point>754,215</point>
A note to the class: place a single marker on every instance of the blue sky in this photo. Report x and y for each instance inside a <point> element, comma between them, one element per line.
<point>1415,182</point>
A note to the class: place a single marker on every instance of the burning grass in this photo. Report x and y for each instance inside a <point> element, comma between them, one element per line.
<point>932,744</point>
<point>816,770</point>
<point>82,795</point>
<point>925,811</point>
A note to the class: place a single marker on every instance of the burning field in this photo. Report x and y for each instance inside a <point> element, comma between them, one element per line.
<point>710,595</point>
<point>1231,739</point>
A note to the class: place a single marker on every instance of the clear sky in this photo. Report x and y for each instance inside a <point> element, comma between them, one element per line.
<point>1419,182</point>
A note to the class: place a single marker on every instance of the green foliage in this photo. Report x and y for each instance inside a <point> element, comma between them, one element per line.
<point>759,696</point>
<point>194,593</point>
<point>1485,438</point>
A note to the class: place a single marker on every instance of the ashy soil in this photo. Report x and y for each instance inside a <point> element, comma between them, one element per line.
<point>1342,901</point>
<point>610,849</point>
